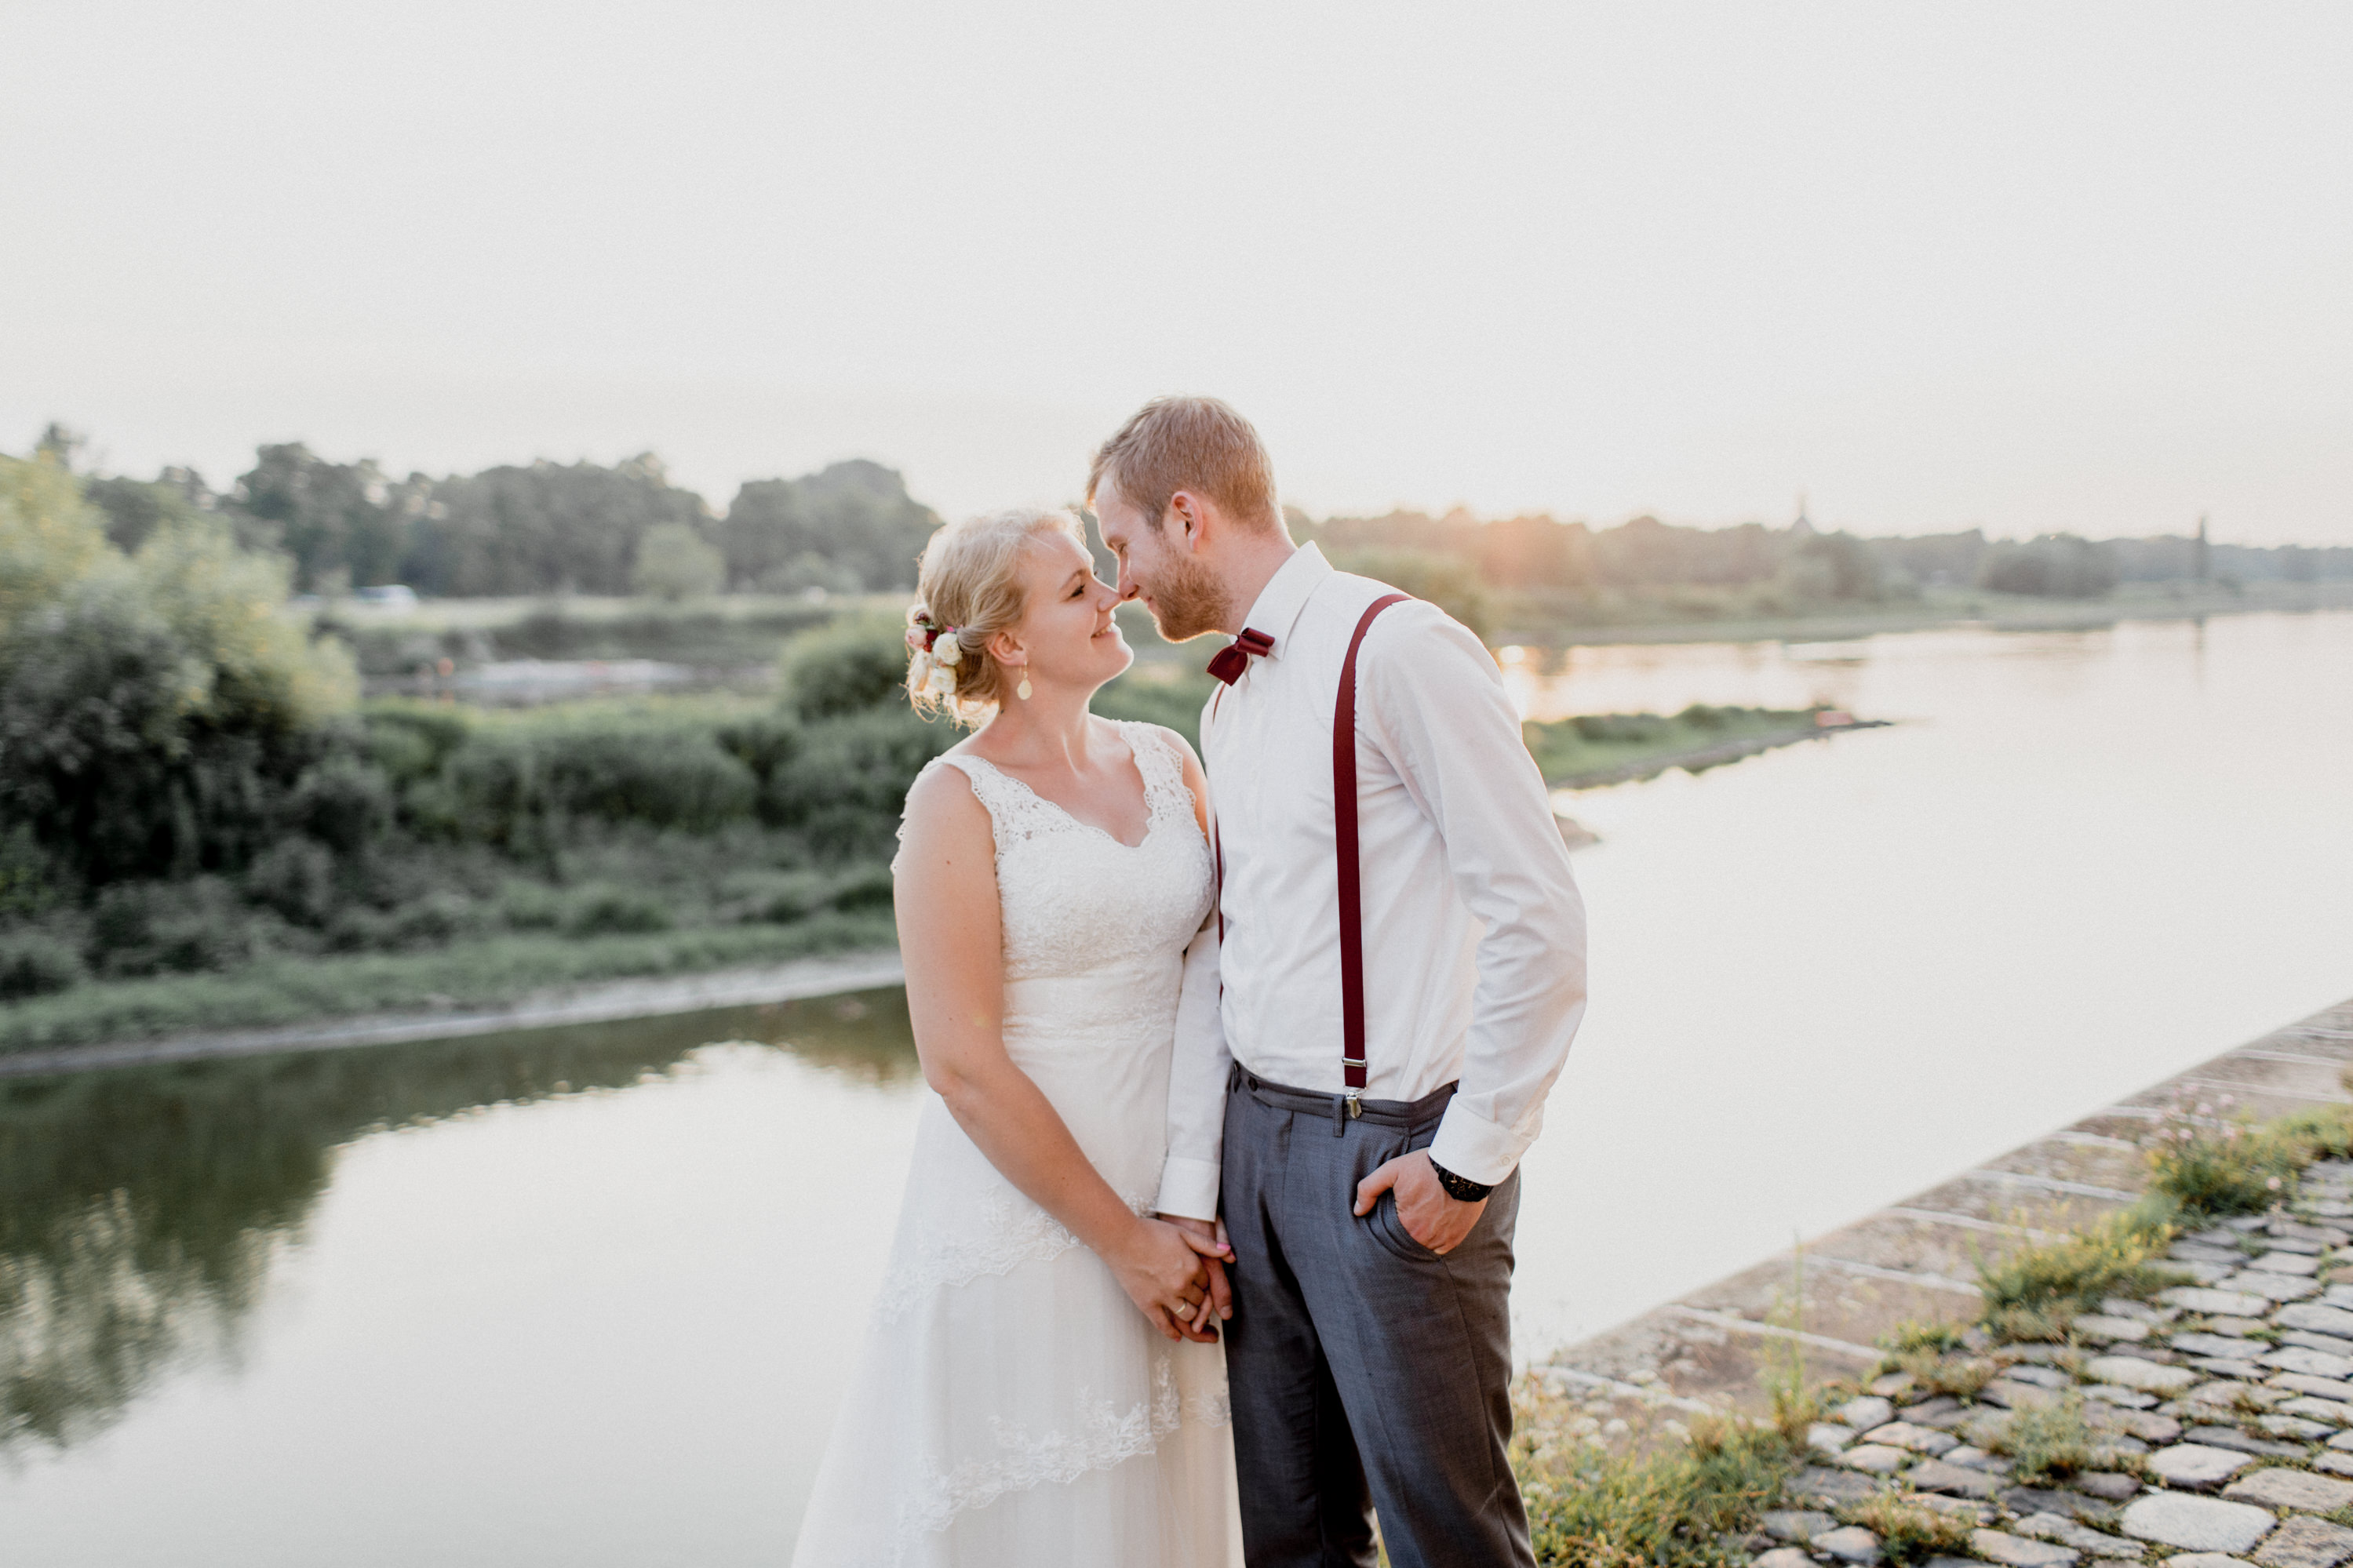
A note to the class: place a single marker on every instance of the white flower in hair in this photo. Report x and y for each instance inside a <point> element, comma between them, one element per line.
<point>946,651</point>
<point>943,682</point>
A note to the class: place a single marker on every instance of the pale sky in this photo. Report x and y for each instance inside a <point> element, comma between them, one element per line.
<point>2022,267</point>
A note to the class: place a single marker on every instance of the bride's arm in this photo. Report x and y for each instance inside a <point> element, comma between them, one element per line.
<point>950,934</point>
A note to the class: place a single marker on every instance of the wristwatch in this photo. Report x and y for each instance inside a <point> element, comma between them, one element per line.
<point>1462,1189</point>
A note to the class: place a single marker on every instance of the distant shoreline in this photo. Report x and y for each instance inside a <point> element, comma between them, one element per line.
<point>1708,756</point>
<point>597,1003</point>
<point>2069,615</point>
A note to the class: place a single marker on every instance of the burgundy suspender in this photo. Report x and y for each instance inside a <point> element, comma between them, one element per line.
<point>1343,825</point>
<point>1352,904</point>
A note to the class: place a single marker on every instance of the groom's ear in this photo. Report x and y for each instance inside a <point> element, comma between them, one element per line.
<point>1187,518</point>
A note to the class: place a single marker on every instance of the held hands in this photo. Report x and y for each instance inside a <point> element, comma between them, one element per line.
<point>1429,1214</point>
<point>1219,1301</point>
<point>1165,1271</point>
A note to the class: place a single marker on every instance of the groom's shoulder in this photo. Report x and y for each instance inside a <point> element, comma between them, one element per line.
<point>1412,626</point>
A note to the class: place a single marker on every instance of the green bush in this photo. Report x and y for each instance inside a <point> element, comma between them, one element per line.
<point>35,963</point>
<point>604,911</point>
<point>156,710</point>
<point>155,928</point>
<point>854,665</point>
<point>780,896</point>
<point>296,878</point>
<point>509,786</point>
<point>845,786</point>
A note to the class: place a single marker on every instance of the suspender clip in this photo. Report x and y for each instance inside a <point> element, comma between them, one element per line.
<point>1356,1108</point>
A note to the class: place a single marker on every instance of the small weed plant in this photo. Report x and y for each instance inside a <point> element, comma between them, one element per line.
<point>1681,1505</point>
<point>2212,1169</point>
<point>1907,1532</point>
<point>2034,1294</point>
<point>2047,1443</point>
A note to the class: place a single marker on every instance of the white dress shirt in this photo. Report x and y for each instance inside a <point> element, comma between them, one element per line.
<point>1474,933</point>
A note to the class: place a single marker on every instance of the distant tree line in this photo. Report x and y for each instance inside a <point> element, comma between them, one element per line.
<point>545,527</point>
<point>536,528</point>
<point>1538,552</point>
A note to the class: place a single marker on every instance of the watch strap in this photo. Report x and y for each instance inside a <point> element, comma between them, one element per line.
<point>1462,1189</point>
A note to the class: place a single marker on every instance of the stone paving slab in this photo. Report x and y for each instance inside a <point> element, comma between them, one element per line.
<point>2057,1158</point>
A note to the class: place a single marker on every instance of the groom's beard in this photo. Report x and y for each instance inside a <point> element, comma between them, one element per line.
<point>1187,600</point>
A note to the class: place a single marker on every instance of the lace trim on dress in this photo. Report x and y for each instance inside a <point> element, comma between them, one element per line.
<point>1106,1437</point>
<point>1013,1231</point>
<point>1017,812</point>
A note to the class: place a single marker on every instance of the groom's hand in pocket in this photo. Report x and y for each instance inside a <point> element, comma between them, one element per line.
<point>1428,1214</point>
<point>1216,1252</point>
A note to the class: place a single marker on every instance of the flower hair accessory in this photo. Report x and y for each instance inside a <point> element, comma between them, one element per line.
<point>935,660</point>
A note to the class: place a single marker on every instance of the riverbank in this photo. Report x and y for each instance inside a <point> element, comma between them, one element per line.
<point>1937,609</point>
<point>293,997</point>
<point>1618,748</point>
<point>864,968</point>
<point>2063,1353</point>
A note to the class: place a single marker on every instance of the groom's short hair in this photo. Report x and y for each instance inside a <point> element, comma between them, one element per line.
<point>1188,444</point>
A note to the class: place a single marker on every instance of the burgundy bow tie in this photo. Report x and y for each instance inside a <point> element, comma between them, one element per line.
<point>1235,656</point>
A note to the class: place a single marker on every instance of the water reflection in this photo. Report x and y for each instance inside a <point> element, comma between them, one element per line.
<point>140,1208</point>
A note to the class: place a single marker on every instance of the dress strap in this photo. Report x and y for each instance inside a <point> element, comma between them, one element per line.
<point>1015,812</point>
<point>1162,766</point>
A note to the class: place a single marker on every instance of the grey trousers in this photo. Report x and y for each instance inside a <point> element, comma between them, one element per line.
<point>1367,1372</point>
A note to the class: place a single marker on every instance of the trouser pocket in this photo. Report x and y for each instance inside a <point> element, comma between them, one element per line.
<point>1385,1225</point>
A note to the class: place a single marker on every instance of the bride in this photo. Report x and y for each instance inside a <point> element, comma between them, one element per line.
<point>1040,1382</point>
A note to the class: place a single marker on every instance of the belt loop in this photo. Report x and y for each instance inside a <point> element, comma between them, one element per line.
<point>1339,1117</point>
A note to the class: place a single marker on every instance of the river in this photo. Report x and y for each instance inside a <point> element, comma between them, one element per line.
<point>585,1296</point>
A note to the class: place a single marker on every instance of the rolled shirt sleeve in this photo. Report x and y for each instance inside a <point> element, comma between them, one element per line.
<point>1437,709</point>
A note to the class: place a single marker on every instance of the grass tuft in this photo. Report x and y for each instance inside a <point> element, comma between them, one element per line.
<point>2035,1294</point>
<point>1683,1505</point>
<point>2046,1442</point>
<point>1908,1531</point>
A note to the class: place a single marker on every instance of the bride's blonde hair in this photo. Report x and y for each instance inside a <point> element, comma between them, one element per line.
<point>969,588</point>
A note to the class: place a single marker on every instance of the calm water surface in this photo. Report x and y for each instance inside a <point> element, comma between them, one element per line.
<point>586,1297</point>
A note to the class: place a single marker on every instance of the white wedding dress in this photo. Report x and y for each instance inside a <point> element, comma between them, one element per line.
<point>1011,1405</point>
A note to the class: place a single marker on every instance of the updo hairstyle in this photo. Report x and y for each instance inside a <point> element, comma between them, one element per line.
<point>969,588</point>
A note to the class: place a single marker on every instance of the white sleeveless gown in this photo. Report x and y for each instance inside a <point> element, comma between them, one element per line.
<point>1011,1405</point>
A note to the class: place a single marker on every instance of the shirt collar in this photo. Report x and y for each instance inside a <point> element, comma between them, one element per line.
<point>1276,609</point>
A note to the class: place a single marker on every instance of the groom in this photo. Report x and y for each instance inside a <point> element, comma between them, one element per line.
<point>1401,950</point>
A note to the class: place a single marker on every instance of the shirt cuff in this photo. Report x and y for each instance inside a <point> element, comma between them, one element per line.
<point>1474,1148</point>
<point>1189,1188</point>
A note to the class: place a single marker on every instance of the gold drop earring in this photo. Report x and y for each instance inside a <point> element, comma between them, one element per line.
<point>1022,690</point>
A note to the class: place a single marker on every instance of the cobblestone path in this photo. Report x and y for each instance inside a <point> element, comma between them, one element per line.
<point>2221,1414</point>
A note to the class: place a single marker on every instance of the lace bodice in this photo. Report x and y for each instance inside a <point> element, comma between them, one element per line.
<point>1077,901</point>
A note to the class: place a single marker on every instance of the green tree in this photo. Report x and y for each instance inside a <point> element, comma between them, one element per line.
<point>344,523</point>
<point>1834,567</point>
<point>853,523</point>
<point>136,508</point>
<point>676,563</point>
<point>156,714</point>
<point>49,536</point>
<point>2053,566</point>
<point>544,528</point>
